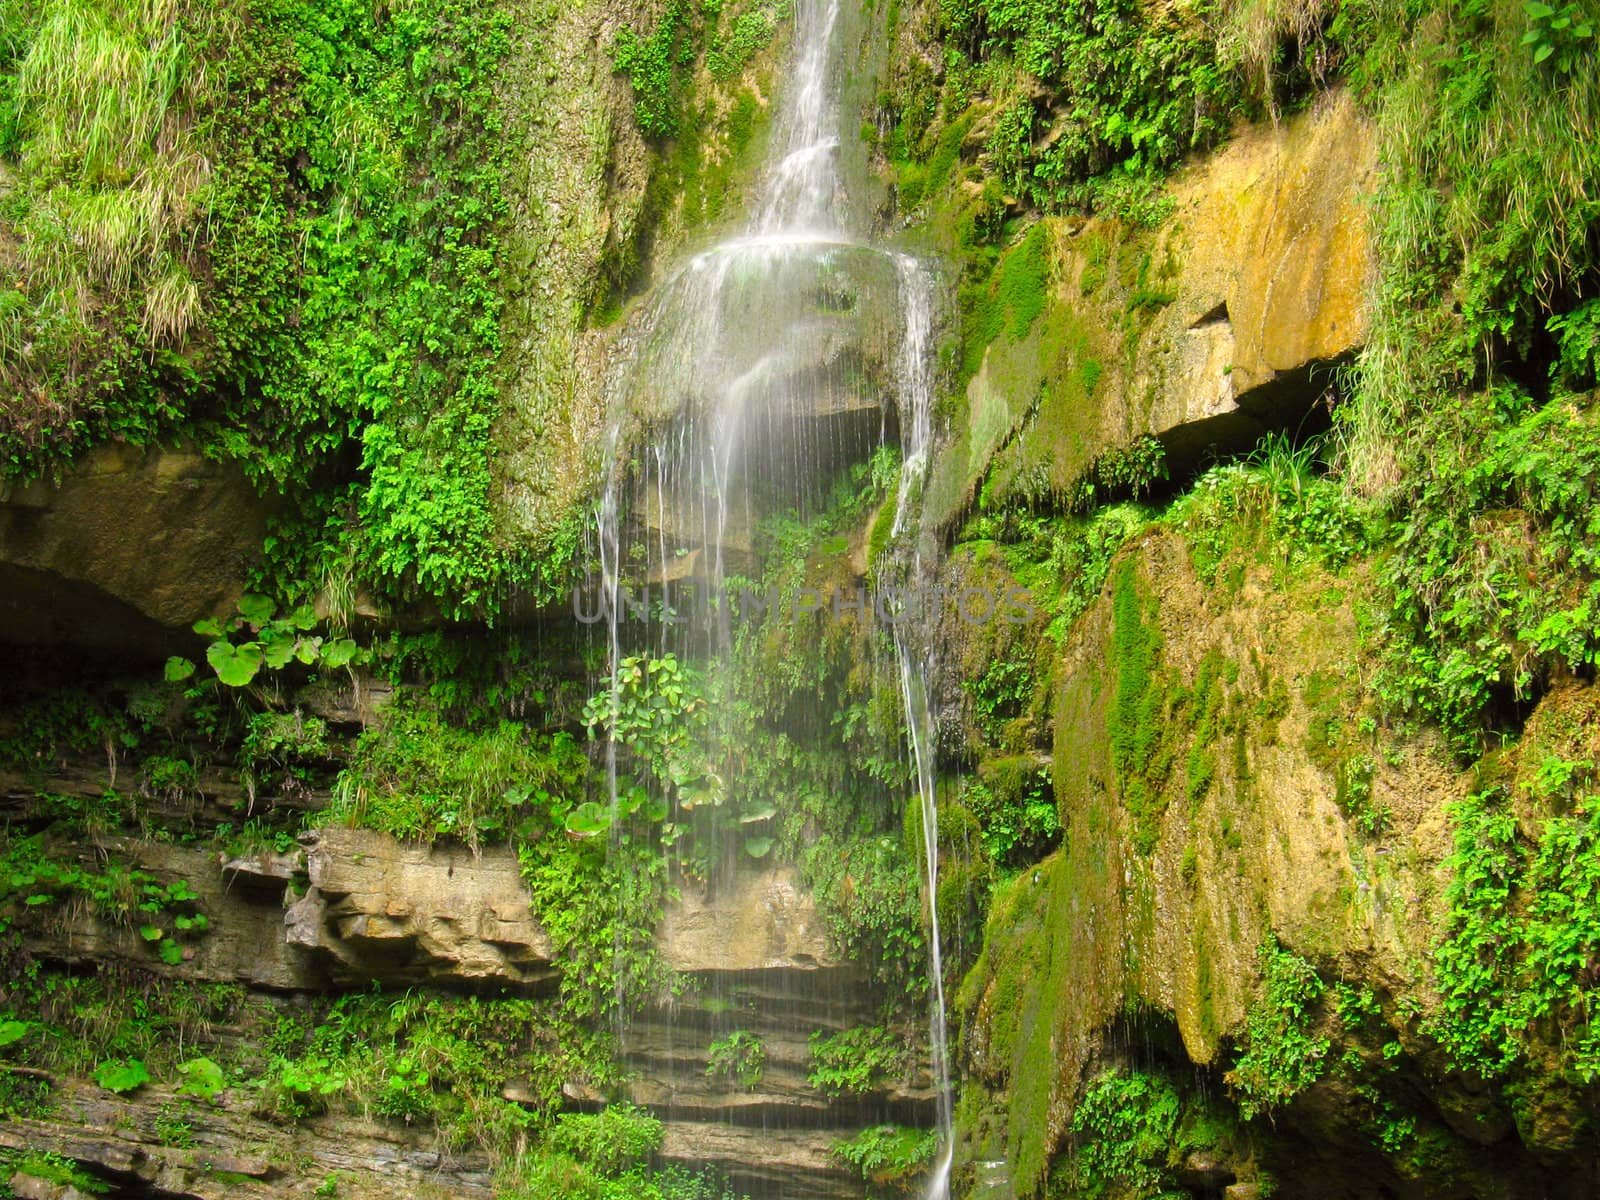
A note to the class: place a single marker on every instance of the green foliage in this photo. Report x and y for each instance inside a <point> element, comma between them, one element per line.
<point>618,1137</point>
<point>98,325</point>
<point>1126,473</point>
<point>1280,1056</point>
<point>856,1061</point>
<point>655,716</point>
<point>1522,936</point>
<point>1121,91</point>
<point>603,1156</point>
<point>23,1097</point>
<point>202,1078</point>
<point>1496,579</point>
<point>325,309</point>
<point>122,1075</point>
<point>749,35</point>
<point>1080,554</point>
<point>1464,417</point>
<point>435,1061</point>
<point>1123,1127</point>
<point>889,1154</point>
<point>33,878</point>
<point>870,897</point>
<point>270,641</point>
<point>79,1022</point>
<point>414,774</point>
<point>1558,36</point>
<point>601,912</point>
<point>1015,807</point>
<point>740,1057</point>
<point>655,64</point>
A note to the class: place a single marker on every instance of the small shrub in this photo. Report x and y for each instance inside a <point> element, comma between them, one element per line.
<point>741,1057</point>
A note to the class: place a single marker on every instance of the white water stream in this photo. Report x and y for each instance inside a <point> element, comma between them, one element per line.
<point>748,379</point>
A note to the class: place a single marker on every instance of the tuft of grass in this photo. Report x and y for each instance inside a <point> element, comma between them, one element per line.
<point>100,109</point>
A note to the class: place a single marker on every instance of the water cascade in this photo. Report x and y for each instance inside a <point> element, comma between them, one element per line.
<point>763,371</point>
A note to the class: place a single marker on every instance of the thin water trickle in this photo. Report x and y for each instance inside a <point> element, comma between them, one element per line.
<point>747,387</point>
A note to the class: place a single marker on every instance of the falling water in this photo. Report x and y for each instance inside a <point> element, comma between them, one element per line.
<point>916,666</point>
<point>748,382</point>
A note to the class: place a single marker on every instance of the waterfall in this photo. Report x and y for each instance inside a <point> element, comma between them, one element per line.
<point>916,666</point>
<point>747,382</point>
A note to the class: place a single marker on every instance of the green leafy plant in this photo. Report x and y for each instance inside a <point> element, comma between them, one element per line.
<point>611,1140</point>
<point>202,1078</point>
<point>122,1075</point>
<point>655,714</point>
<point>166,913</point>
<point>889,1154</point>
<point>416,774</point>
<point>1516,965</point>
<point>1281,1056</point>
<point>270,641</point>
<point>740,1057</point>
<point>1122,1129</point>
<point>1558,36</point>
<point>654,64</point>
<point>856,1061</point>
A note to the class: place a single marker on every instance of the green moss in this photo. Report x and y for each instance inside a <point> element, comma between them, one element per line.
<point>1138,745</point>
<point>882,529</point>
<point>1010,300</point>
<point>1206,715</point>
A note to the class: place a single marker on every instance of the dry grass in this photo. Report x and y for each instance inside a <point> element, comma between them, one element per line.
<point>1253,30</point>
<point>1480,222</point>
<point>111,169</point>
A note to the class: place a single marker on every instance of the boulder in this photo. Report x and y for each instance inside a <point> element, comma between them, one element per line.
<point>378,908</point>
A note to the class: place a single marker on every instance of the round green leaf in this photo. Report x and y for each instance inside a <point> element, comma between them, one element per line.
<point>12,1032</point>
<point>124,1075</point>
<point>256,608</point>
<point>178,669</point>
<point>340,652</point>
<point>202,1078</point>
<point>277,652</point>
<point>236,666</point>
<point>588,820</point>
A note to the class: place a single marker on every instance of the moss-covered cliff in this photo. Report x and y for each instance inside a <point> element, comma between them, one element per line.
<point>1317,716</point>
<point>1268,838</point>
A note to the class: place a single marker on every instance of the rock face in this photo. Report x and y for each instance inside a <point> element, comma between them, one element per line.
<point>757,963</point>
<point>231,1156</point>
<point>130,545</point>
<point>350,906</point>
<point>763,922</point>
<point>1221,323</point>
<point>1254,813</point>
<point>379,909</point>
<point>1275,259</point>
